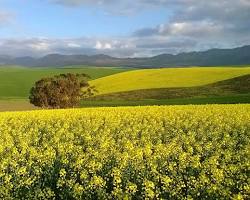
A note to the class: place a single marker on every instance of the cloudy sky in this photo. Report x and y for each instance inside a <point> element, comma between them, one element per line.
<point>122,28</point>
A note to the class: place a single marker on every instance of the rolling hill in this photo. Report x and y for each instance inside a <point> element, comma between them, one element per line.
<point>119,87</point>
<point>212,57</point>
<point>165,78</point>
<point>15,82</point>
<point>231,87</point>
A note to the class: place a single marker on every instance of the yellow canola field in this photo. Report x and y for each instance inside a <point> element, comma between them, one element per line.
<point>166,78</point>
<point>157,152</point>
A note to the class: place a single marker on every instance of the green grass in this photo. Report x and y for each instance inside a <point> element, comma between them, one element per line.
<point>166,78</point>
<point>21,105</point>
<point>15,82</point>
<point>234,99</point>
<point>182,86</point>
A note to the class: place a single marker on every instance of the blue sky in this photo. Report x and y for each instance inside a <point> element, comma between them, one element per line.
<point>122,28</point>
<point>43,19</point>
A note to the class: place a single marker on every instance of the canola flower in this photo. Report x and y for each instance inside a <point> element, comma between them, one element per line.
<point>154,152</point>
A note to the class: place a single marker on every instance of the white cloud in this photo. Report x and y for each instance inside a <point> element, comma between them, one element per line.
<point>73,45</point>
<point>107,46</point>
<point>208,24</point>
<point>99,45</point>
<point>40,46</point>
<point>193,25</point>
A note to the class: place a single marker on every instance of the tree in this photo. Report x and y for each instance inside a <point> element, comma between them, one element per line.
<point>63,91</point>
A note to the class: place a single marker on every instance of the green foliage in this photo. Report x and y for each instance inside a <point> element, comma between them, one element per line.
<point>63,91</point>
<point>172,152</point>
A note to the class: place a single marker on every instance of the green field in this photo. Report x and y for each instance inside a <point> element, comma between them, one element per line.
<point>121,87</point>
<point>15,82</point>
<point>22,105</point>
<point>229,99</point>
<point>166,78</point>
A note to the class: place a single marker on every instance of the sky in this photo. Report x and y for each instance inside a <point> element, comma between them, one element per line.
<point>121,28</point>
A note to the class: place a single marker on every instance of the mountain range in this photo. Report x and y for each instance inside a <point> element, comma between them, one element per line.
<point>212,57</point>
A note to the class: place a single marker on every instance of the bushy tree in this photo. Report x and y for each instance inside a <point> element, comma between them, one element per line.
<point>63,91</point>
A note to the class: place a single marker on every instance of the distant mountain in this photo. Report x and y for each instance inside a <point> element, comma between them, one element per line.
<point>4,59</point>
<point>213,57</point>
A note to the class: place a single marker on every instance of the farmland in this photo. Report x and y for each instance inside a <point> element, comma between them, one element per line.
<point>123,86</point>
<point>124,100</point>
<point>176,152</point>
<point>15,82</point>
<point>166,78</point>
<point>235,86</point>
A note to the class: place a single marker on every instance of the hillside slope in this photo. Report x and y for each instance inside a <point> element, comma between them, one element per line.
<point>230,87</point>
<point>165,78</point>
<point>16,82</point>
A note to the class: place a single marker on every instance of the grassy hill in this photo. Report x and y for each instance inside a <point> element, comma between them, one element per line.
<point>234,86</point>
<point>15,82</point>
<point>119,87</point>
<point>166,78</point>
